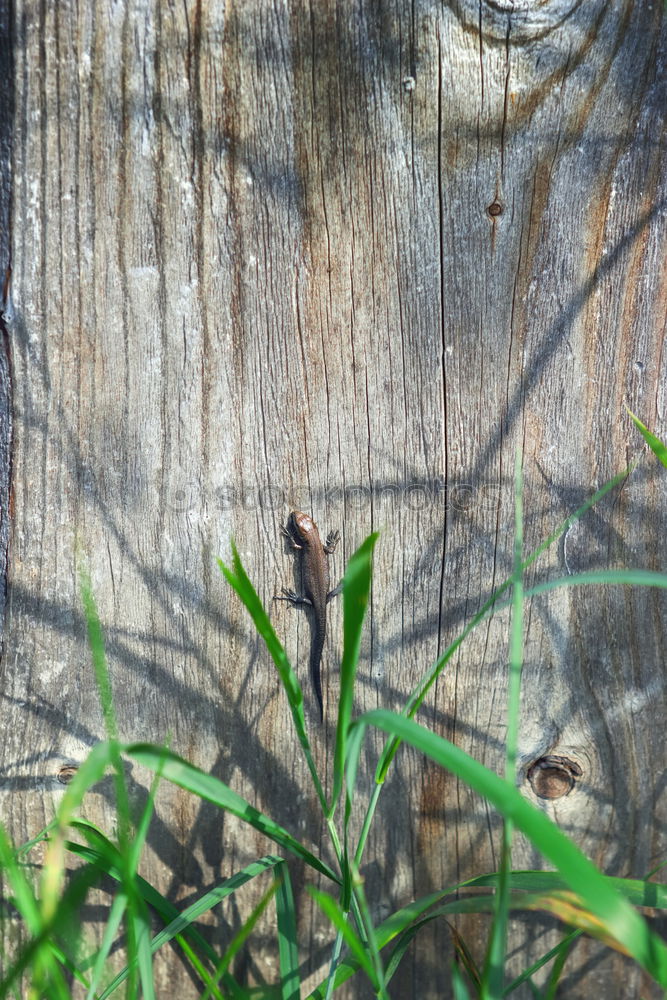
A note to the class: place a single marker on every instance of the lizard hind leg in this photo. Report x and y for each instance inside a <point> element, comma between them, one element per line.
<point>290,595</point>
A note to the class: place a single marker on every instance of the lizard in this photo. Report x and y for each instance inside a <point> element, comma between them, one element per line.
<point>303,535</point>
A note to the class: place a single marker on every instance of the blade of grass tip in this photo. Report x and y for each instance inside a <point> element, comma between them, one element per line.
<point>212,789</point>
<point>24,849</point>
<point>108,851</point>
<point>288,952</point>
<point>241,937</point>
<point>420,691</point>
<point>654,443</point>
<point>356,591</point>
<point>654,871</point>
<point>619,919</point>
<point>238,579</point>
<point>494,966</point>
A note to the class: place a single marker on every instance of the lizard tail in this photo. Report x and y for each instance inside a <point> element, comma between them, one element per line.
<point>316,668</point>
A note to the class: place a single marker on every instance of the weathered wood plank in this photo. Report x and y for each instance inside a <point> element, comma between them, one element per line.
<point>6,312</point>
<point>346,259</point>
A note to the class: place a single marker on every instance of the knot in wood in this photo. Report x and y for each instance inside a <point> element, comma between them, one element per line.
<point>552,776</point>
<point>521,21</point>
<point>495,209</point>
<point>66,773</point>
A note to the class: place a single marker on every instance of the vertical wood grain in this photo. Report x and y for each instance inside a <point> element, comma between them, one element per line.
<point>348,259</point>
<point>6,310</point>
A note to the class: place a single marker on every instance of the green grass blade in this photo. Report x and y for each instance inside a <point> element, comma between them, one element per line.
<point>658,868</point>
<point>116,914</point>
<point>609,577</point>
<point>639,892</point>
<point>620,920</point>
<point>654,443</point>
<point>100,842</point>
<point>329,983</point>
<point>424,686</point>
<point>338,918</point>
<point>166,910</point>
<point>402,945</point>
<point>69,965</point>
<point>214,896</point>
<point>143,825</point>
<point>23,849</point>
<point>206,786</point>
<point>459,988</point>
<point>239,581</point>
<point>371,944</point>
<point>386,932</point>
<point>565,949</point>
<point>38,953</point>
<point>183,920</point>
<point>144,956</point>
<point>559,952</point>
<point>597,577</point>
<point>356,590</point>
<point>287,938</point>
<point>405,939</point>
<point>96,643</point>
<point>240,938</point>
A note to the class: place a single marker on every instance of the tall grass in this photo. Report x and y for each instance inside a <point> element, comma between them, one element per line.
<point>576,892</point>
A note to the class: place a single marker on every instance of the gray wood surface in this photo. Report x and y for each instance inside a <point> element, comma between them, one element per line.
<point>345,258</point>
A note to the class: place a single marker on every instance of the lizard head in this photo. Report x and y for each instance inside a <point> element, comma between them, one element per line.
<point>303,524</point>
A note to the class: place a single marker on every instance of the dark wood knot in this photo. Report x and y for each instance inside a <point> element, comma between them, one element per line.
<point>552,776</point>
<point>66,773</point>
